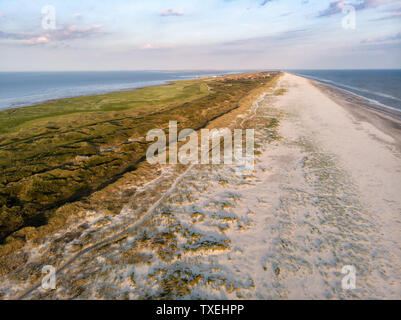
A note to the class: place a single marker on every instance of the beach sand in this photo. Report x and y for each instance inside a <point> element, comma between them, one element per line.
<point>327,194</point>
<point>357,152</point>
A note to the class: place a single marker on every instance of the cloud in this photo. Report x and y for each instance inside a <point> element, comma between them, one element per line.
<point>38,40</point>
<point>71,32</point>
<point>394,15</point>
<point>338,5</point>
<point>371,4</point>
<point>386,39</point>
<point>14,36</point>
<point>334,7</point>
<point>78,15</point>
<point>394,7</point>
<point>171,12</point>
<point>264,44</point>
<point>254,45</point>
<point>2,14</point>
<point>265,2</point>
<point>288,13</point>
<point>149,46</point>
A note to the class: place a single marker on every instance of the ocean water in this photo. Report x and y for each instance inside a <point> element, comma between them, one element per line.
<point>382,87</point>
<point>27,88</point>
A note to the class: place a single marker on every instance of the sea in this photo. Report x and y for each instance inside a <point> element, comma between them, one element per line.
<point>381,87</point>
<point>19,89</point>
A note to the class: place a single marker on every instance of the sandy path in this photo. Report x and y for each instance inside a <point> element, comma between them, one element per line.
<point>324,196</point>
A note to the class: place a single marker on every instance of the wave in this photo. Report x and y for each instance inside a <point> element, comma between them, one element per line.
<point>337,84</point>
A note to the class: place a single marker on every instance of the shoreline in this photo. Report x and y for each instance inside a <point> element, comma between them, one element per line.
<point>363,110</point>
<point>374,103</point>
<point>367,102</point>
<point>361,100</point>
<point>384,118</point>
<point>351,162</point>
<point>159,83</point>
<point>332,90</point>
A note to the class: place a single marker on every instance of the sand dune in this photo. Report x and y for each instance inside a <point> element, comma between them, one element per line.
<point>326,194</point>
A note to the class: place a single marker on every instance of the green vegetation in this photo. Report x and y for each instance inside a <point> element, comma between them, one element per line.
<point>62,151</point>
<point>142,100</point>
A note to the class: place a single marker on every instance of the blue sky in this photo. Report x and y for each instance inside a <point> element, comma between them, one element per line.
<point>204,34</point>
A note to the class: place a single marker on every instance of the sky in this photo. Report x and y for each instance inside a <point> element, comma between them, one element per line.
<point>58,35</point>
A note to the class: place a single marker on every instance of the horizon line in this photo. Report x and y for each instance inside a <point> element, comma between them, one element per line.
<point>201,70</point>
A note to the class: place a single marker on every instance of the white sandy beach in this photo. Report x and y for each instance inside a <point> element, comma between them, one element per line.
<point>326,195</point>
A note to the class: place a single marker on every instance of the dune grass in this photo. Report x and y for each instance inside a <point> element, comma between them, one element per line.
<point>61,151</point>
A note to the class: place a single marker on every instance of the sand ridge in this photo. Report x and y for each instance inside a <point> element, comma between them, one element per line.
<point>325,193</point>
